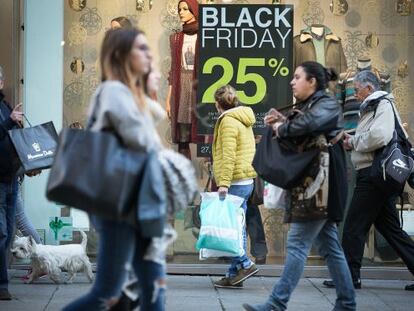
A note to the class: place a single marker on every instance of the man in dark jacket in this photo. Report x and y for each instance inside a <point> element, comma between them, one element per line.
<point>9,163</point>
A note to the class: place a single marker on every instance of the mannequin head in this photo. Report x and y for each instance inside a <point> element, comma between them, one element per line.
<point>188,11</point>
<point>363,62</point>
<point>120,22</point>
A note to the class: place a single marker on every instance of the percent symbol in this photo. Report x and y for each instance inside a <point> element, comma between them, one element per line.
<point>274,63</point>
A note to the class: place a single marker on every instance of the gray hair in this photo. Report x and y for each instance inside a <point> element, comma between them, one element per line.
<point>1,74</point>
<point>367,77</point>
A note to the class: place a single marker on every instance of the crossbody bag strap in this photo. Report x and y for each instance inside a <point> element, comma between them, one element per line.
<point>397,125</point>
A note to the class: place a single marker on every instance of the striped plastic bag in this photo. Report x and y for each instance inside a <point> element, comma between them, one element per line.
<point>220,229</point>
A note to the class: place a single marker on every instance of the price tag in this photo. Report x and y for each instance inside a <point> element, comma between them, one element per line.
<point>204,150</point>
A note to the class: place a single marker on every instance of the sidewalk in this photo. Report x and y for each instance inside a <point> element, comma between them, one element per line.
<point>197,293</point>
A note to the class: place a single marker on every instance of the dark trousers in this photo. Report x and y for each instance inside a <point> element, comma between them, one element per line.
<point>370,206</point>
<point>255,231</point>
<point>8,194</point>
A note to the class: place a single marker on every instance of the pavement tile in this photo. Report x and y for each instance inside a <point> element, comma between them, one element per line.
<point>191,293</point>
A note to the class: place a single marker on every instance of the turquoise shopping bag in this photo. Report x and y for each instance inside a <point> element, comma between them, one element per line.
<point>219,224</point>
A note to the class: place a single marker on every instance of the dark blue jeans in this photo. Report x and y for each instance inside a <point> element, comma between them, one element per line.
<point>8,193</point>
<point>119,246</point>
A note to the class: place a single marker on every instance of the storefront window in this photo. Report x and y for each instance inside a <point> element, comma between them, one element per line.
<point>370,33</point>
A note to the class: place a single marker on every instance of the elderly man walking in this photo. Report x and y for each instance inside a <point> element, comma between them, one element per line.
<point>371,206</point>
<point>9,163</point>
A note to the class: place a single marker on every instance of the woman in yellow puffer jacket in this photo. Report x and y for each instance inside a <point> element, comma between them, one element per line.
<point>233,152</point>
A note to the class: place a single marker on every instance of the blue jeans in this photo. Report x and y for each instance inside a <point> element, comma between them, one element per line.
<point>241,262</point>
<point>8,192</point>
<point>23,224</point>
<point>300,239</point>
<point>119,246</point>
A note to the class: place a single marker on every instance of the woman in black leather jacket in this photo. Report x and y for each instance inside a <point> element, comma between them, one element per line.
<point>313,219</point>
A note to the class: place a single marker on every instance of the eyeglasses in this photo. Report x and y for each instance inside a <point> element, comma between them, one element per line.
<point>357,89</point>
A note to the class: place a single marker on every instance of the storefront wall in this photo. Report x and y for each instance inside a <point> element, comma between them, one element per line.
<point>74,74</point>
<point>42,97</point>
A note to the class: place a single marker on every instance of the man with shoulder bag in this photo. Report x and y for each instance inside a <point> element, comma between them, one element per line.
<point>380,152</point>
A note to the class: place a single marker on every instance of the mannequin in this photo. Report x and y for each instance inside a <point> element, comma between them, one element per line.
<point>318,43</point>
<point>120,22</point>
<point>181,97</point>
<point>345,93</point>
<point>318,29</point>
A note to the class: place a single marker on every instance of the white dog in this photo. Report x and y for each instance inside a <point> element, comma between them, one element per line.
<point>50,259</point>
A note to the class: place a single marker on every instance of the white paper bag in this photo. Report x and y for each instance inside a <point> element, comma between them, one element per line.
<point>273,196</point>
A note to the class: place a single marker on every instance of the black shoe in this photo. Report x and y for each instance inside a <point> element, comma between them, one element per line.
<point>330,284</point>
<point>4,294</point>
<point>410,287</point>
<point>125,304</point>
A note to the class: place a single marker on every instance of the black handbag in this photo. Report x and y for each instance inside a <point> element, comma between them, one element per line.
<point>35,145</point>
<point>256,197</point>
<point>94,173</point>
<point>280,162</point>
<point>393,164</point>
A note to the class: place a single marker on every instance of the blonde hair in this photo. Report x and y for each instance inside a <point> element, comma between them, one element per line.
<point>226,97</point>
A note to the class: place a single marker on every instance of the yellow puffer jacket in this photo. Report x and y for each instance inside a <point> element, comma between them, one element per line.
<point>234,146</point>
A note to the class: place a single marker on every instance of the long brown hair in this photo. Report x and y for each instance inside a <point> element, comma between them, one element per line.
<point>115,60</point>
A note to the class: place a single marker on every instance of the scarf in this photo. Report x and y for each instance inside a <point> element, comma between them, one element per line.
<point>191,28</point>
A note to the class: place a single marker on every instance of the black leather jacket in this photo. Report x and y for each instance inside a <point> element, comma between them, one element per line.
<point>321,115</point>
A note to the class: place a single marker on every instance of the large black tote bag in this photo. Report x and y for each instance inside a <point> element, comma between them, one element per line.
<point>35,146</point>
<point>280,162</point>
<point>93,172</point>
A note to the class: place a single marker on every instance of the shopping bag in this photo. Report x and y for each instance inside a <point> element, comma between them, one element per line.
<point>273,196</point>
<point>219,225</point>
<point>206,253</point>
<point>35,146</point>
<point>280,161</point>
<point>93,172</point>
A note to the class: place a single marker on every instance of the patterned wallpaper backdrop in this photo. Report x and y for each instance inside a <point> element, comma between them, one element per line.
<point>371,28</point>
<point>390,33</point>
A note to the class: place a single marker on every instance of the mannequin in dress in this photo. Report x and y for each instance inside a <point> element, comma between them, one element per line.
<point>181,98</point>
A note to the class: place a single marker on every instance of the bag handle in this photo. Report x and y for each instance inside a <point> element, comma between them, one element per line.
<point>27,120</point>
<point>337,138</point>
<point>92,118</point>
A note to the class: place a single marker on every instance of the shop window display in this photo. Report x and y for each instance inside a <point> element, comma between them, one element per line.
<point>348,35</point>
